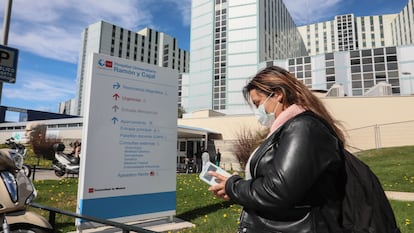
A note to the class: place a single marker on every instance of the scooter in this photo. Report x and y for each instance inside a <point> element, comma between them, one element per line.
<point>64,163</point>
<point>16,193</point>
<point>21,149</point>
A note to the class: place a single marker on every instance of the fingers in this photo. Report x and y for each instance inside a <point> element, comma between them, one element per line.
<point>219,191</point>
<point>218,176</point>
<point>216,188</point>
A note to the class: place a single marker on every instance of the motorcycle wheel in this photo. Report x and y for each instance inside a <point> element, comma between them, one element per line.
<point>27,170</point>
<point>27,229</point>
<point>59,173</point>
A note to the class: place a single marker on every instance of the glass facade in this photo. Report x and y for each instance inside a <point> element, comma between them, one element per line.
<point>346,32</point>
<point>372,66</point>
<point>301,67</point>
<point>220,50</point>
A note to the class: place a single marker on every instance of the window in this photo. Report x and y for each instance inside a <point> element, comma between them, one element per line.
<point>368,76</point>
<point>367,60</point>
<point>356,77</point>
<point>391,50</point>
<point>354,54</point>
<point>355,69</point>
<point>379,59</point>
<point>379,67</point>
<point>355,62</point>
<point>391,58</point>
<point>329,56</point>
<point>379,51</point>
<point>330,63</point>
<point>368,83</point>
<point>366,53</point>
<point>330,71</point>
<point>392,66</point>
<point>367,68</point>
<point>182,146</point>
<point>380,77</point>
<point>356,84</point>
<point>393,74</point>
<point>330,79</point>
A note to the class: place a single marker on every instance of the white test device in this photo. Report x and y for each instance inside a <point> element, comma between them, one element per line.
<point>209,179</point>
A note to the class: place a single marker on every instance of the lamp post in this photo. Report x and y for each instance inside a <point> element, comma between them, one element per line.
<point>408,74</point>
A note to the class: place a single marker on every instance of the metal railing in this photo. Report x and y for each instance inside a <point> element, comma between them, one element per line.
<point>53,211</point>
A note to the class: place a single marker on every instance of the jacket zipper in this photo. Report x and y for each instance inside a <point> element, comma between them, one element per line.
<point>260,158</point>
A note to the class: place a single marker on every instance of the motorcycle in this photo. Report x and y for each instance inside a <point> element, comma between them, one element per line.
<point>16,193</point>
<point>21,149</point>
<point>190,166</point>
<point>64,163</point>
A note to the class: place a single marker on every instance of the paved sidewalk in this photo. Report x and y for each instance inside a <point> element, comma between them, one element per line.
<point>400,196</point>
<point>157,225</point>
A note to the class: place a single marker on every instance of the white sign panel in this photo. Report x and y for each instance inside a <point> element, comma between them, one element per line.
<point>128,169</point>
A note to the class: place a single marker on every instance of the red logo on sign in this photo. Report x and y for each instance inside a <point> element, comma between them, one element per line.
<point>91,190</point>
<point>152,173</point>
<point>108,64</point>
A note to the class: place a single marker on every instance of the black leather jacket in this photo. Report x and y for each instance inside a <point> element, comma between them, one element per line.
<point>297,181</point>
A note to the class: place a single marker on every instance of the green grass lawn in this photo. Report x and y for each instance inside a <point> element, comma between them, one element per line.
<point>393,166</point>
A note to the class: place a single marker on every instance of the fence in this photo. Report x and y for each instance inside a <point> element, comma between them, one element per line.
<point>358,139</point>
<point>380,136</point>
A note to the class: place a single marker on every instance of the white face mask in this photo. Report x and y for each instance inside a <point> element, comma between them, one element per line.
<point>264,118</point>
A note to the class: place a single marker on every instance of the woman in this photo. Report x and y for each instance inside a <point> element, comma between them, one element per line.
<point>295,178</point>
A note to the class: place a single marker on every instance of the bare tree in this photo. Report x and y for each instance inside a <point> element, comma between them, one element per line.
<point>42,147</point>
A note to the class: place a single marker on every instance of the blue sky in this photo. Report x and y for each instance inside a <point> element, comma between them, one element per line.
<point>48,33</point>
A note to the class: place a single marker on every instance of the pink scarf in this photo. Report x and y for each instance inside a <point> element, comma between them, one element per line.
<point>284,116</point>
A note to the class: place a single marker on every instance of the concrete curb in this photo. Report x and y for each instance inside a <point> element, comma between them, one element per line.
<point>400,196</point>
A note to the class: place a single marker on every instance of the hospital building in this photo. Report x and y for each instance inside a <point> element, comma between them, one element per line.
<point>147,45</point>
<point>346,56</point>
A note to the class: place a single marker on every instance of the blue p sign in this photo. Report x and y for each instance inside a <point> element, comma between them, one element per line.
<point>8,64</point>
<point>4,57</point>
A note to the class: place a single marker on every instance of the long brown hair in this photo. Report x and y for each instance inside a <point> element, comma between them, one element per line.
<point>275,79</point>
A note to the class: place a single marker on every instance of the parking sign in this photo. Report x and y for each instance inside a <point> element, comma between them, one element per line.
<point>8,64</point>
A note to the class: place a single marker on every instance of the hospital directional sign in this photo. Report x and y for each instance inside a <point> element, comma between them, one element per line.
<point>8,64</point>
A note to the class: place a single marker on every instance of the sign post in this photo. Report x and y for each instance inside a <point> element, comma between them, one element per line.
<point>128,158</point>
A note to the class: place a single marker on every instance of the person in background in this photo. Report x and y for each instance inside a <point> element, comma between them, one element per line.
<point>295,179</point>
<point>76,148</point>
<point>198,160</point>
<point>205,157</point>
<point>217,158</point>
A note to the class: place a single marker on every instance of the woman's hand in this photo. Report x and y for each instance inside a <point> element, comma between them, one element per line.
<point>219,189</point>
